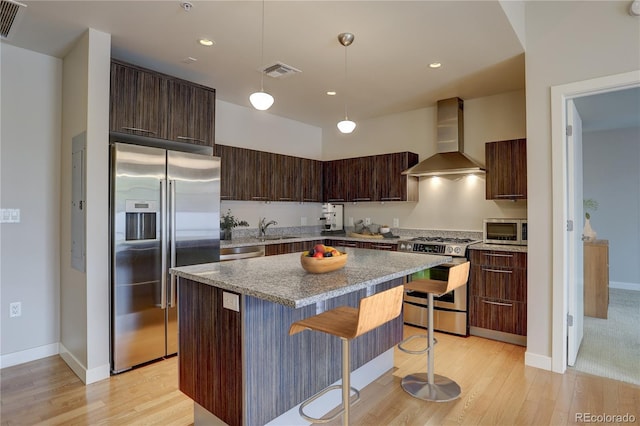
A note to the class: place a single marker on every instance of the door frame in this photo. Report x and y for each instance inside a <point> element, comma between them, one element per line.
<point>559,96</point>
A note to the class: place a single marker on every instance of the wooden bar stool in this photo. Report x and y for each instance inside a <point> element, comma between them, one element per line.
<point>429,386</point>
<point>347,323</point>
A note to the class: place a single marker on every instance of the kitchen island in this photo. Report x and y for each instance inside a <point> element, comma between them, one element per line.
<point>236,359</point>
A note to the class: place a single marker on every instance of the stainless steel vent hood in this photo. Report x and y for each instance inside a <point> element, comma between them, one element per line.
<point>450,160</point>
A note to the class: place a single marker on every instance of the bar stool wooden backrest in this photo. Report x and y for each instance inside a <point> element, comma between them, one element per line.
<point>348,322</point>
<point>458,276</point>
<point>378,309</point>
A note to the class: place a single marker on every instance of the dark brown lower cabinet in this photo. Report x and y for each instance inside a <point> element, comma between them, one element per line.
<point>500,315</point>
<point>498,293</point>
<point>286,248</point>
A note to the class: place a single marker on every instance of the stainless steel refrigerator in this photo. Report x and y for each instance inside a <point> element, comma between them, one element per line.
<point>165,212</point>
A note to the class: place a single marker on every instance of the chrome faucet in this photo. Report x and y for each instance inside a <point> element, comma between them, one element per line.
<point>262,226</point>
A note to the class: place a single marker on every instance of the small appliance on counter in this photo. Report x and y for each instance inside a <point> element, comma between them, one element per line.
<point>333,217</point>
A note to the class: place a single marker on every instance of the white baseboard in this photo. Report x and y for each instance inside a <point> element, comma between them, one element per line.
<point>28,355</point>
<point>538,361</point>
<point>87,376</point>
<point>624,286</point>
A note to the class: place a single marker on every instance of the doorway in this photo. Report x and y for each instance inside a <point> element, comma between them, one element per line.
<point>564,237</point>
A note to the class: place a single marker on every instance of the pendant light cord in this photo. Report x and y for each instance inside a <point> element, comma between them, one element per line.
<point>262,51</point>
<point>346,83</point>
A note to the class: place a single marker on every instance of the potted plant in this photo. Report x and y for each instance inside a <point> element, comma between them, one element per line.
<point>227,223</point>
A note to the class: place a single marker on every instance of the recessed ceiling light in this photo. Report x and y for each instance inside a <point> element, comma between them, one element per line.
<point>331,93</point>
<point>206,42</point>
<point>435,65</point>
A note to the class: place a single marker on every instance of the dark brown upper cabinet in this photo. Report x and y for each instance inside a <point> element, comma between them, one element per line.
<point>390,184</point>
<point>138,101</point>
<point>152,104</point>
<point>371,178</point>
<point>311,180</point>
<point>506,168</point>
<point>192,110</point>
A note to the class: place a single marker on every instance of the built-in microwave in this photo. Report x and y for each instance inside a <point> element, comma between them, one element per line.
<point>505,231</point>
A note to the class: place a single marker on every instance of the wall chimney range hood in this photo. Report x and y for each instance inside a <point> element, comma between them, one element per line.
<point>450,160</point>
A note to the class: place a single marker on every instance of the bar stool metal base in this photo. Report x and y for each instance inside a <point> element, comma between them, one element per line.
<point>442,389</point>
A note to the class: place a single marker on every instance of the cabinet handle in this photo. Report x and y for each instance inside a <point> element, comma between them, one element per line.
<point>498,255</point>
<point>309,199</point>
<point>335,199</point>
<point>499,271</point>
<point>390,198</point>
<point>509,195</point>
<point>259,198</point>
<point>383,247</point>
<point>362,199</point>
<point>344,244</point>
<point>187,138</point>
<point>497,303</point>
<point>285,199</point>
<point>135,129</point>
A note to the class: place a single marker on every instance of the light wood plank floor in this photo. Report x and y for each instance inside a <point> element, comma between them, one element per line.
<point>497,389</point>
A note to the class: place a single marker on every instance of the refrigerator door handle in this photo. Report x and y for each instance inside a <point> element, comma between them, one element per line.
<point>172,216</point>
<point>163,244</point>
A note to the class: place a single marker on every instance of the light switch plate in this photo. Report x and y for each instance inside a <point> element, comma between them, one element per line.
<point>396,222</point>
<point>10,216</point>
<point>231,301</point>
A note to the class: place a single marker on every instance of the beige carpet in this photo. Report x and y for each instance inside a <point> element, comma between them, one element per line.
<point>611,347</point>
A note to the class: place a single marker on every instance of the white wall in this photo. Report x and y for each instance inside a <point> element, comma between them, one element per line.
<point>29,179</point>
<point>611,160</point>
<point>248,128</point>
<point>84,326</point>
<point>566,42</point>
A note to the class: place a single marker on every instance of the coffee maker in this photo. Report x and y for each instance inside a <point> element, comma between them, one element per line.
<point>333,218</point>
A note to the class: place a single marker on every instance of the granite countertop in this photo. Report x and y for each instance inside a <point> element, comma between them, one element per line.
<point>501,247</point>
<point>281,279</point>
<point>255,241</point>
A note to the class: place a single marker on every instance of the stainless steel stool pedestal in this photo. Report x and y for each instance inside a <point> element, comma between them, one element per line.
<point>429,386</point>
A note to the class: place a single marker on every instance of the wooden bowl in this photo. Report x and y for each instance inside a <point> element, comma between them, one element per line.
<point>321,265</point>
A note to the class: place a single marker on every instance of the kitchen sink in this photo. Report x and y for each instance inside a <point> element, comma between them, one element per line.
<point>235,253</point>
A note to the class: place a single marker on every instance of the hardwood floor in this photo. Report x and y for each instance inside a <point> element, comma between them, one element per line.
<point>497,389</point>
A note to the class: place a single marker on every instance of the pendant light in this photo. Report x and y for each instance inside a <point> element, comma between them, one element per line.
<point>261,100</point>
<point>346,125</point>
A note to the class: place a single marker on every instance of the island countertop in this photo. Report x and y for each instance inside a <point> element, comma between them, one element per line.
<point>281,279</point>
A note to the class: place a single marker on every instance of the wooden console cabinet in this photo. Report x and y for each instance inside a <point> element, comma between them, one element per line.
<point>596,278</point>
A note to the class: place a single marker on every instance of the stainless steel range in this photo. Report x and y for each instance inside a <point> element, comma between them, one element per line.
<point>450,310</point>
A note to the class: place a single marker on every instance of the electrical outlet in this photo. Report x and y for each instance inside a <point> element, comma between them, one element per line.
<point>396,222</point>
<point>231,301</point>
<point>15,309</point>
<point>350,221</point>
<point>367,221</point>
<point>303,221</point>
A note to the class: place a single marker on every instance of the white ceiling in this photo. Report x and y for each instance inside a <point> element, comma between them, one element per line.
<point>387,63</point>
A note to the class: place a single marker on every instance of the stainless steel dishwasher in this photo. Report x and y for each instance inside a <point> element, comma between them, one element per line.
<point>236,253</point>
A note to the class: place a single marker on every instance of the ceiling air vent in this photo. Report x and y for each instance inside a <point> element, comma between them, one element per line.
<point>279,70</point>
<point>10,13</point>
